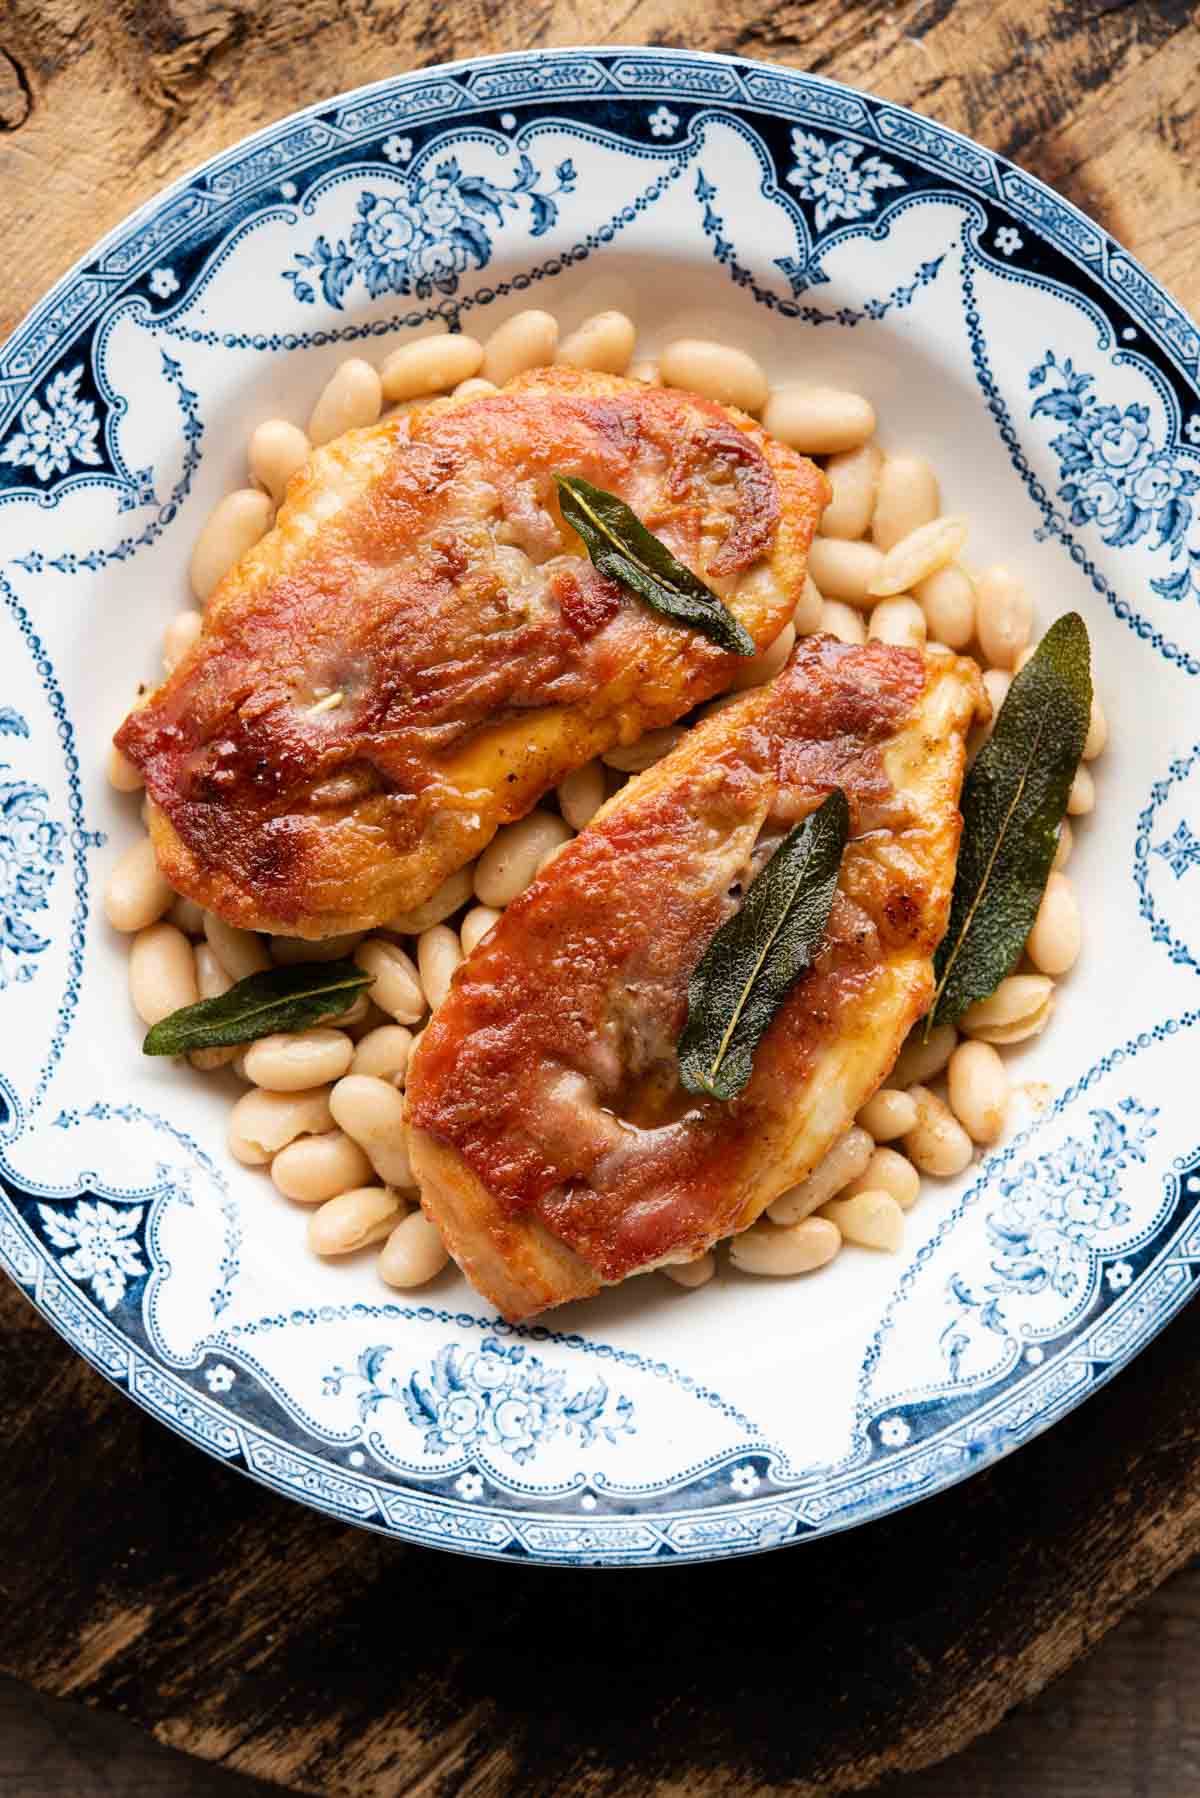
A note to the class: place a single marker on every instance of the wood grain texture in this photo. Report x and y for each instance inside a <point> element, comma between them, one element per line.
<point>138,1576</point>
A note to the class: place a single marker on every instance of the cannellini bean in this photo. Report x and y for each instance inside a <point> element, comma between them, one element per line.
<point>581,793</point>
<point>756,671</point>
<point>351,398</point>
<point>900,621</point>
<point>430,365</point>
<point>181,635</point>
<point>453,893</point>
<point>1097,735</point>
<point>235,525</point>
<point>137,894</point>
<point>1082,797</point>
<point>603,342</point>
<point>1066,842</point>
<point>262,1123</point>
<point>873,1220</point>
<point>526,340</point>
<point>288,951</point>
<point>474,389</point>
<point>920,554</point>
<point>240,952</point>
<point>397,985</point>
<point>211,978</point>
<point>843,622</point>
<point>121,772</point>
<point>947,599</point>
<point>187,915</point>
<point>162,972</point>
<point>647,372</point>
<point>475,926</point>
<point>1054,942</point>
<point>1003,616</point>
<point>996,683</point>
<point>414,1253</point>
<point>634,758</point>
<point>383,1053</point>
<point>978,1087</point>
<point>1020,1007</point>
<point>819,421</point>
<point>908,497</point>
<point>799,1248</point>
<point>439,953</point>
<point>844,570</point>
<point>372,1112</point>
<point>844,1162</point>
<point>919,1060</point>
<point>510,861</point>
<point>352,1220</point>
<point>277,449</point>
<point>889,1171</point>
<point>853,475</point>
<point>938,1145</point>
<point>691,1274</point>
<point>315,1168</point>
<point>294,1061</point>
<point>716,370</point>
<point>888,1115</point>
<point>807,616</point>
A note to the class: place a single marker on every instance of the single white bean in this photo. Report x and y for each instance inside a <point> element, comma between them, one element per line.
<point>439,954</point>
<point>853,476</point>
<point>288,951</point>
<point>262,1123</point>
<point>938,1145</point>
<point>315,1168</point>
<point>162,972</point>
<point>996,683</point>
<point>510,861</point>
<point>137,894</point>
<point>807,616</point>
<point>431,365</point>
<point>843,622</point>
<point>186,915</point>
<point>843,1163</point>
<point>383,1053</point>
<point>454,892</point>
<point>715,370</point>
<point>691,1274</point>
<point>920,554</point>
<point>635,758</point>
<point>295,1061</point>
<point>277,449</point>
<point>947,599</point>
<point>475,389</point>
<point>581,793</point>
<point>1082,798</point>
<point>526,340</point>
<point>240,952</point>
<point>978,1088</point>
<point>211,978</point>
<point>889,1171</point>
<point>1066,842</point>
<point>351,398</point>
<point>908,497</point>
<point>891,1113</point>
<point>756,671</point>
<point>372,1112</point>
<point>353,1220</point>
<point>1057,935</point>
<point>800,1248</point>
<point>873,1220</point>
<point>1020,1004</point>
<point>396,985</point>
<point>845,570</point>
<point>647,372</point>
<point>900,621</point>
<point>818,421</point>
<point>603,342</point>
<point>122,775</point>
<point>413,1254</point>
<point>1097,735</point>
<point>181,635</point>
<point>1003,616</point>
<point>234,526</point>
<point>919,1060</point>
<point>475,926</point>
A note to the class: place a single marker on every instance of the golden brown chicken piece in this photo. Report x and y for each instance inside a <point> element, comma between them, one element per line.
<point>420,648</point>
<point>555,1147</point>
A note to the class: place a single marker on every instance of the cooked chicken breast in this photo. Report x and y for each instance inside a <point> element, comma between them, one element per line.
<point>555,1147</point>
<point>420,648</point>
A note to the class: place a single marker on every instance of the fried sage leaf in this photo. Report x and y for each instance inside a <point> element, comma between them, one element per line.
<point>1013,802</point>
<point>622,548</point>
<point>292,998</point>
<point>749,968</point>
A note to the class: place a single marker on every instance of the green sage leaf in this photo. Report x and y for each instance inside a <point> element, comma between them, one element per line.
<point>292,998</point>
<point>753,961</point>
<point>1013,802</point>
<point>622,548</point>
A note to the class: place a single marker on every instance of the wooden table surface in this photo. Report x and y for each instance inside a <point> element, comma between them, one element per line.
<point>139,1577</point>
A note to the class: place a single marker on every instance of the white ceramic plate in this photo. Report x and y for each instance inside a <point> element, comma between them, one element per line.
<point>836,237</point>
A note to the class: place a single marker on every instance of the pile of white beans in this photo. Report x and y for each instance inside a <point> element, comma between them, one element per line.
<point>323,1110</point>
